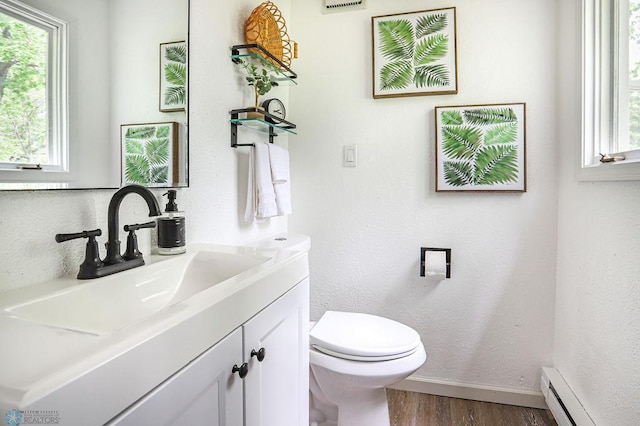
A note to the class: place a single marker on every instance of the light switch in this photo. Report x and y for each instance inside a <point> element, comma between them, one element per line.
<point>350,156</point>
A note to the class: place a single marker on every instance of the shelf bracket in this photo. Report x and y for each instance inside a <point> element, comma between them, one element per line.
<point>283,124</point>
<point>272,134</point>
<point>235,52</point>
<point>234,132</point>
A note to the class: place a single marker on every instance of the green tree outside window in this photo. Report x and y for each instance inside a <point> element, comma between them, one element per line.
<point>23,88</point>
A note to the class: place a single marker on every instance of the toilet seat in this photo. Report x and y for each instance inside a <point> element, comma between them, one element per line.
<point>363,337</point>
<point>364,358</point>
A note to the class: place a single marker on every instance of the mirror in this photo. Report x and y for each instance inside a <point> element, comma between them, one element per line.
<point>127,114</point>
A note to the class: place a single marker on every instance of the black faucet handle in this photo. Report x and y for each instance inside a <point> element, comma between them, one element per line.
<point>60,238</point>
<point>132,252</point>
<point>92,262</point>
<point>136,226</point>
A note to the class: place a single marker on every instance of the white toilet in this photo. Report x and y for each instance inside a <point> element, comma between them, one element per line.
<point>352,357</point>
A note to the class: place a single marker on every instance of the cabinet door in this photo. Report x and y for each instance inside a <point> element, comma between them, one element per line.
<point>277,388</point>
<point>204,392</point>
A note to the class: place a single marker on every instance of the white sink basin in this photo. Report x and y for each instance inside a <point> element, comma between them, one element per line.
<point>107,304</point>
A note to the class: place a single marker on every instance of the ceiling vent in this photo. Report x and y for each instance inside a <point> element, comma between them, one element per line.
<point>330,6</point>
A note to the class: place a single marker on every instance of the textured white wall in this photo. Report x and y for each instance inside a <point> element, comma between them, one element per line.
<point>30,220</point>
<point>218,173</point>
<point>492,323</point>
<point>597,328</point>
<point>215,201</point>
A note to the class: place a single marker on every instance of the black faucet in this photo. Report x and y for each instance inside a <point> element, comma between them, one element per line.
<point>93,267</point>
<point>113,219</point>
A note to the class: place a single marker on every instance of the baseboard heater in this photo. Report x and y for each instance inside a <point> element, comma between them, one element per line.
<point>563,403</point>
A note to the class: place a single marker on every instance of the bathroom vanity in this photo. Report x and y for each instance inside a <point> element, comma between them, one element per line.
<point>215,336</point>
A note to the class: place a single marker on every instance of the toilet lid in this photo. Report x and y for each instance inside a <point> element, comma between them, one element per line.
<point>361,335</point>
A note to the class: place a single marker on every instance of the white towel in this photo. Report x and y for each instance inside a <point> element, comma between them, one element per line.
<point>279,159</point>
<point>250,209</point>
<point>261,198</point>
<point>280,175</point>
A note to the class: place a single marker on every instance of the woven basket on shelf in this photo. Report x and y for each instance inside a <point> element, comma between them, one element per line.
<point>267,27</point>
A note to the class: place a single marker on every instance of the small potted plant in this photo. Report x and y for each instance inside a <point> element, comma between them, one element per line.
<point>261,81</point>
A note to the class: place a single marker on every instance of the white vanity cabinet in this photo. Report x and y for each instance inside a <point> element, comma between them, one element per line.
<point>202,393</point>
<point>273,349</point>
<point>276,389</point>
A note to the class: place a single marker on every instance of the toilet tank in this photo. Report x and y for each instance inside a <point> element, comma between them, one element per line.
<point>295,242</point>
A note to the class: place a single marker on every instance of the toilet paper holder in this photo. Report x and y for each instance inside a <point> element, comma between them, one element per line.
<point>424,250</point>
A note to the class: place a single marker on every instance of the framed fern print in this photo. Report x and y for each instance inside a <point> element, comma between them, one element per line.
<point>173,76</point>
<point>414,54</point>
<point>150,154</point>
<point>481,148</point>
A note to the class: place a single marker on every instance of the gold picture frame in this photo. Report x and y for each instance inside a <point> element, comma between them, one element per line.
<point>481,148</point>
<point>150,154</point>
<point>414,54</point>
<point>173,76</point>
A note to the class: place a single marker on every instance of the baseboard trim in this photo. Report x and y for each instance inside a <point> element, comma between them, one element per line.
<point>499,395</point>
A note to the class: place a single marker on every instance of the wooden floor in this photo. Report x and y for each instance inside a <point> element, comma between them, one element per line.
<point>417,409</point>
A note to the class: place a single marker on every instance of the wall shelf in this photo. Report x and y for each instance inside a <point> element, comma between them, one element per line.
<point>273,129</point>
<point>280,73</point>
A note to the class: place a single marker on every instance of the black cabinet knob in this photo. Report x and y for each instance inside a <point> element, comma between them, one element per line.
<point>259,354</point>
<point>242,370</point>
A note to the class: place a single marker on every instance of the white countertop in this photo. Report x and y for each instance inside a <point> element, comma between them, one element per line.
<point>86,376</point>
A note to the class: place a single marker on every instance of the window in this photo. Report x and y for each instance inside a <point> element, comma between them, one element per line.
<point>33,117</point>
<point>611,89</point>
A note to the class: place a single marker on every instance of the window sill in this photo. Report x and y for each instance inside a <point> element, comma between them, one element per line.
<point>39,178</point>
<point>616,171</point>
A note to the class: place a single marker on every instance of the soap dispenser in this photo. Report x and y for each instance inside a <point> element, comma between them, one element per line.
<point>171,228</point>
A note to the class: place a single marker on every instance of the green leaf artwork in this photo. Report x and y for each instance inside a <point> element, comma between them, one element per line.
<point>461,142</point>
<point>451,117</point>
<point>173,84</point>
<point>480,146</point>
<point>432,75</point>
<point>430,24</point>
<point>396,75</point>
<point>484,116</point>
<point>414,53</point>
<point>430,49</point>
<point>147,153</point>
<point>396,39</point>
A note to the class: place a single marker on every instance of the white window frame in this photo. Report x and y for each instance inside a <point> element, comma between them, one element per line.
<point>603,92</point>
<point>57,98</point>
